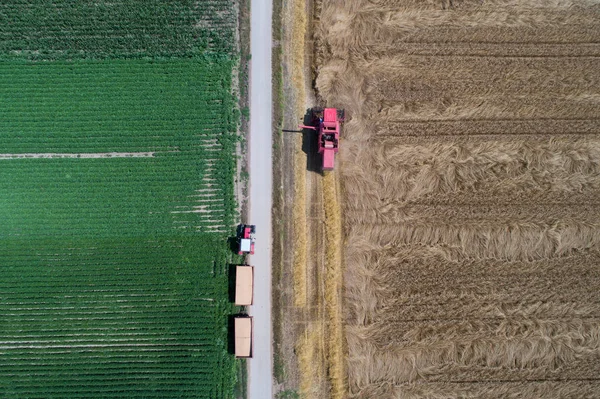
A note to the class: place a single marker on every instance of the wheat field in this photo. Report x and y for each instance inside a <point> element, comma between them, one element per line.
<point>470,172</point>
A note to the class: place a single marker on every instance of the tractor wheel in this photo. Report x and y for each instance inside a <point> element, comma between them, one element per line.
<point>341,115</point>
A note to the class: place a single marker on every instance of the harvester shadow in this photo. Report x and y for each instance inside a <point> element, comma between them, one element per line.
<point>310,144</point>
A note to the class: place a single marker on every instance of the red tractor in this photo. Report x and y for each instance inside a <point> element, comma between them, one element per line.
<point>245,235</point>
<point>327,123</point>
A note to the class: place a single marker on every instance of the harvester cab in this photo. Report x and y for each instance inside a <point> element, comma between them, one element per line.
<point>245,236</point>
<point>327,122</point>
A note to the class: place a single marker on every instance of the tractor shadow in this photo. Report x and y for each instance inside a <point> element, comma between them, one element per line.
<point>310,144</point>
<point>232,243</point>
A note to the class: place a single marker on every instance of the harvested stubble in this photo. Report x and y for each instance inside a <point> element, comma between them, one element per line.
<point>333,286</point>
<point>298,45</point>
<point>310,362</point>
<point>300,158</point>
<point>300,230</point>
<point>471,186</point>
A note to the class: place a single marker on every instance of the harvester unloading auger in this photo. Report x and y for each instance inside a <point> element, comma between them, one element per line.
<point>327,122</point>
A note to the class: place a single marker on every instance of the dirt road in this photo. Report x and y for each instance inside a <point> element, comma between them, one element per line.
<point>260,159</point>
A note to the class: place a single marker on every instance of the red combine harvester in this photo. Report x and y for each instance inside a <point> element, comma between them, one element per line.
<point>327,123</point>
<point>245,236</point>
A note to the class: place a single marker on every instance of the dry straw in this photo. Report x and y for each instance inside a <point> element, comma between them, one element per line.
<point>300,229</point>
<point>471,168</point>
<point>310,351</point>
<point>333,286</point>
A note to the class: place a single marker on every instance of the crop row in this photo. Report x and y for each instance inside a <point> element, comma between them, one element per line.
<point>114,278</point>
<point>117,106</point>
<point>116,29</point>
<point>85,316</point>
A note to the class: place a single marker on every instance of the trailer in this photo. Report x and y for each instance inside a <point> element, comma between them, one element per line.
<point>244,285</point>
<point>327,124</point>
<point>243,336</point>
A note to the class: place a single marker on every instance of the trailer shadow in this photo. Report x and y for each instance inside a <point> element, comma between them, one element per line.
<point>231,334</point>
<point>231,282</point>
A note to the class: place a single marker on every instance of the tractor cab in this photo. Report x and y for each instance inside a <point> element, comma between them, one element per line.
<point>246,239</point>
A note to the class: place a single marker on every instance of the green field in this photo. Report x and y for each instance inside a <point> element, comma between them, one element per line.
<point>117,164</point>
<point>42,29</point>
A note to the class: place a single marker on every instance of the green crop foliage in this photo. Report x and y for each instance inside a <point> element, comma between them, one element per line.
<point>181,111</point>
<point>115,268</point>
<point>67,29</point>
<point>112,284</point>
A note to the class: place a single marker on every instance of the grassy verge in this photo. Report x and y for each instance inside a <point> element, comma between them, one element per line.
<point>241,386</point>
<point>279,238</point>
<point>244,101</point>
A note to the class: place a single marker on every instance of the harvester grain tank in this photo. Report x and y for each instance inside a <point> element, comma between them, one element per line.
<point>245,238</point>
<point>327,124</point>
